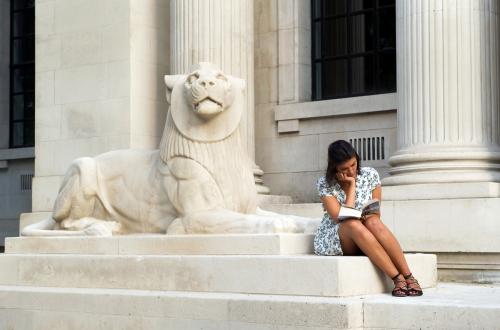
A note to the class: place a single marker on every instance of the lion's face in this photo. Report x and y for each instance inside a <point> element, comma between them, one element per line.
<point>208,91</point>
<point>205,105</point>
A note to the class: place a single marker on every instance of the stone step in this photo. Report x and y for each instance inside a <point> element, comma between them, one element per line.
<point>308,210</point>
<point>307,275</point>
<point>235,244</point>
<point>448,306</point>
<point>29,308</point>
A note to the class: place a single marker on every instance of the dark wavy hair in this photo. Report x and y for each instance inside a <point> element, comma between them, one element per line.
<point>339,152</point>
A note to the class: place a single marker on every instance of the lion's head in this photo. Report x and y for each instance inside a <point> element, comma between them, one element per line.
<point>209,92</point>
<point>206,105</point>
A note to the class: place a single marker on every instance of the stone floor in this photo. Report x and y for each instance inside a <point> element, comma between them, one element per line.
<point>212,282</point>
<point>448,306</point>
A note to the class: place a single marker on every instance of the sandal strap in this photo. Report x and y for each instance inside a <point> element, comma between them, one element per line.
<point>411,279</point>
<point>412,283</point>
<point>396,277</point>
<point>400,290</point>
<point>400,284</point>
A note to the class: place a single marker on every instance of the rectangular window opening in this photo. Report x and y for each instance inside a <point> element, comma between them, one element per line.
<point>22,74</point>
<point>353,48</point>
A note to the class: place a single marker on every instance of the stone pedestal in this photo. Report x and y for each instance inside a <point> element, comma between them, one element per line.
<point>189,281</point>
<point>219,282</point>
<point>253,264</point>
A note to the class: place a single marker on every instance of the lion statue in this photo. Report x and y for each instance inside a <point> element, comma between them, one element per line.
<point>199,181</point>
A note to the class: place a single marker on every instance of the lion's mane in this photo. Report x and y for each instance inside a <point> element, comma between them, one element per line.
<point>225,160</point>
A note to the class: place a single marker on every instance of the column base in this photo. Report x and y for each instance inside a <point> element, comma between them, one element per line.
<point>483,268</point>
<point>444,191</point>
<point>444,164</point>
<point>440,225</point>
<point>457,221</point>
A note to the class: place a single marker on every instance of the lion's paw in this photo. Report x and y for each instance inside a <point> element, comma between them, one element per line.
<point>287,225</point>
<point>176,228</point>
<point>98,229</point>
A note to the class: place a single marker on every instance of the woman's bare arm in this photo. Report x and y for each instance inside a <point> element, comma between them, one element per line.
<point>349,186</point>
<point>332,206</point>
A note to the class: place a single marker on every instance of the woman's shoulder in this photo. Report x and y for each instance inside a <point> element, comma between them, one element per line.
<point>369,173</point>
<point>366,170</point>
<point>370,176</point>
<point>322,182</point>
<point>325,189</point>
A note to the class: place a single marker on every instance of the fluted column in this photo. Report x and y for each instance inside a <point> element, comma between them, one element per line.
<point>220,32</point>
<point>448,90</point>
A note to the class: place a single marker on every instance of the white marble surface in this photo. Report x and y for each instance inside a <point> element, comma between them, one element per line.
<point>235,244</point>
<point>448,306</point>
<point>306,275</point>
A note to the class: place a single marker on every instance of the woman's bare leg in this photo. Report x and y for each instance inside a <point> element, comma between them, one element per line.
<point>390,244</point>
<point>353,235</point>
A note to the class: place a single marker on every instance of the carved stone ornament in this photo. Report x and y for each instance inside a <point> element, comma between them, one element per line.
<point>199,181</point>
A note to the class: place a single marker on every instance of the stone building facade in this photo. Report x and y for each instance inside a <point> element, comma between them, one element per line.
<point>314,74</point>
<point>16,113</point>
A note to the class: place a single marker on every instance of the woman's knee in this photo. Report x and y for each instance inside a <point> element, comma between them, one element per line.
<point>374,225</point>
<point>355,228</point>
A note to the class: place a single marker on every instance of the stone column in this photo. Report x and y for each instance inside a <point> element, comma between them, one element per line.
<point>448,90</point>
<point>220,32</point>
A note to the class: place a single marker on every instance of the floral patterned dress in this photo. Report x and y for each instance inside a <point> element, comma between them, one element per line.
<point>327,241</point>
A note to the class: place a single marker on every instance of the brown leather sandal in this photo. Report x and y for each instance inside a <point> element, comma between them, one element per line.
<point>400,287</point>
<point>413,288</point>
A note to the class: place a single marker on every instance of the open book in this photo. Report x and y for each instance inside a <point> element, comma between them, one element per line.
<point>370,207</point>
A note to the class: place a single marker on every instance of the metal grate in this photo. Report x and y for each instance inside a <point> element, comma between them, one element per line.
<point>371,148</point>
<point>26,180</point>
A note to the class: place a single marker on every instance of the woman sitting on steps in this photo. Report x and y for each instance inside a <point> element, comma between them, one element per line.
<point>346,183</point>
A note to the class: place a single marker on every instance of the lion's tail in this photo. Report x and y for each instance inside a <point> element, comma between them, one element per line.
<point>45,228</point>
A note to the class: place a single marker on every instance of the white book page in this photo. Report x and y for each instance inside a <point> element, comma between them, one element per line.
<point>348,212</point>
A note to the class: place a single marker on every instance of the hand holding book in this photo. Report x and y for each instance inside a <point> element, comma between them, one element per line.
<point>370,207</point>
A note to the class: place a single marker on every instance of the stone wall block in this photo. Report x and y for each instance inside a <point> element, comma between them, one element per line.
<point>47,53</point>
<point>45,89</point>
<point>48,123</point>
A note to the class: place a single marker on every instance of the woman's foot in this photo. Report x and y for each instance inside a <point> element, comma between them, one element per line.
<point>400,287</point>
<point>413,288</point>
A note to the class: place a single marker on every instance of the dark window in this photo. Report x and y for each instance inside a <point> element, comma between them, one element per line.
<point>22,73</point>
<point>353,48</point>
